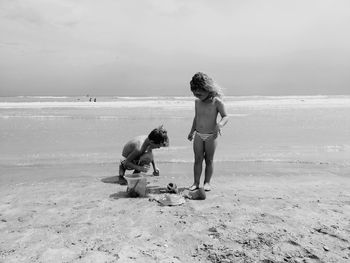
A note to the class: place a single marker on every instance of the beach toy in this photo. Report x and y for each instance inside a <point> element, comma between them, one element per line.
<point>171,200</point>
<point>137,185</point>
<point>172,188</point>
<point>198,194</point>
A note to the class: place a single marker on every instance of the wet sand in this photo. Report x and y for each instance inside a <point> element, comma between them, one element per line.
<point>256,212</point>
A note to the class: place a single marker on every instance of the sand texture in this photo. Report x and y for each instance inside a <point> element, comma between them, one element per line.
<point>256,212</point>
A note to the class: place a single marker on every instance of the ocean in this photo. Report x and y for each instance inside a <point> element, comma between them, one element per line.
<point>42,130</point>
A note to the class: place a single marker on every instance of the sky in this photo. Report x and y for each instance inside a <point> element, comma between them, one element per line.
<point>154,47</point>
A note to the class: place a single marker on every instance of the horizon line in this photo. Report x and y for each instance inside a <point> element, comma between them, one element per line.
<point>165,96</point>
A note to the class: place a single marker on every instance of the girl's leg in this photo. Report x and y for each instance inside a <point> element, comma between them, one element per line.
<point>209,148</point>
<point>198,149</point>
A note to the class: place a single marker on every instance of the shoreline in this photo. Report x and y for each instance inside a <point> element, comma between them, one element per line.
<point>255,212</point>
<point>174,102</point>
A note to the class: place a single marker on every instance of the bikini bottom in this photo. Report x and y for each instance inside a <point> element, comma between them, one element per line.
<point>204,136</point>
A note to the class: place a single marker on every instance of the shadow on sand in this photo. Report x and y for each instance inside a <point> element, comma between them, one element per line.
<point>153,190</point>
<point>114,180</point>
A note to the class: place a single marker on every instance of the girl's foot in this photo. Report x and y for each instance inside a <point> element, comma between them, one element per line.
<point>193,187</point>
<point>207,187</point>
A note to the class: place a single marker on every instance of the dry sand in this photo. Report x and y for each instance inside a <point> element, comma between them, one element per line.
<point>256,212</point>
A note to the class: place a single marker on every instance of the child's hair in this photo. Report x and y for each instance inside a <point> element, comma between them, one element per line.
<point>201,81</point>
<point>159,136</point>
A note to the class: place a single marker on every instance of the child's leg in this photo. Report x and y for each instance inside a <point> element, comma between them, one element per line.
<point>123,166</point>
<point>145,159</point>
<point>122,169</point>
<point>198,149</point>
<point>209,148</point>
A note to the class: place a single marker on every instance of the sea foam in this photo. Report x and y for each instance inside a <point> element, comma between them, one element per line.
<point>253,102</point>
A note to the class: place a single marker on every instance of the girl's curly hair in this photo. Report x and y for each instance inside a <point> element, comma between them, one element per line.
<point>201,81</point>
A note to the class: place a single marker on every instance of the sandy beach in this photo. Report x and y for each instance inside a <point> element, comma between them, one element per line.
<point>280,189</point>
<point>256,212</point>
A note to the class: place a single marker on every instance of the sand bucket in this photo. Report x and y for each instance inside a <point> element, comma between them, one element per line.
<point>137,185</point>
<point>198,194</point>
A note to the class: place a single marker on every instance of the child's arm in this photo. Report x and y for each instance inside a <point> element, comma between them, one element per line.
<point>193,128</point>
<point>155,169</point>
<point>190,135</point>
<point>224,118</point>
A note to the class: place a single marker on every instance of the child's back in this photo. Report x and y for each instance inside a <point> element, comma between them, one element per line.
<point>133,144</point>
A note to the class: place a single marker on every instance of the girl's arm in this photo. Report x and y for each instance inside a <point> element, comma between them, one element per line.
<point>190,135</point>
<point>193,128</point>
<point>222,111</point>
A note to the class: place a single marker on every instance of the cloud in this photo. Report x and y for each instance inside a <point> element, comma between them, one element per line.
<point>81,39</point>
<point>15,10</point>
<point>40,12</point>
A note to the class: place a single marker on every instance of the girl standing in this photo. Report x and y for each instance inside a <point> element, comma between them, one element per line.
<point>205,128</point>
